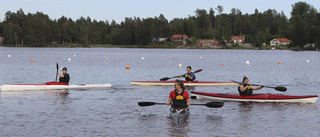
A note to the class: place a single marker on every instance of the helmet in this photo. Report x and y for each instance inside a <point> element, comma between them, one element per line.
<point>64,68</point>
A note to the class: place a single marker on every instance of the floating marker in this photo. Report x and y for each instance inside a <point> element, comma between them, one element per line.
<point>279,62</point>
<point>42,55</point>
<point>127,67</point>
<point>247,62</point>
<point>172,57</point>
<point>200,57</point>
<point>308,61</point>
<point>9,56</point>
<point>74,55</point>
<point>107,59</point>
<point>69,59</point>
<point>180,65</point>
<point>222,64</point>
<point>142,58</point>
<point>32,60</point>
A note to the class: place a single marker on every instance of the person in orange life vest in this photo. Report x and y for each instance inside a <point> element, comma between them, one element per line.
<point>179,96</point>
<point>246,88</point>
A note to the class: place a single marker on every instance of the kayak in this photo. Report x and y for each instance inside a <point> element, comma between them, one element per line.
<point>186,83</point>
<point>256,97</point>
<point>179,115</point>
<point>50,86</point>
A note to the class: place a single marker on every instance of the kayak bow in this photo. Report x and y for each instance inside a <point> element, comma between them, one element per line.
<point>179,115</point>
<point>50,86</point>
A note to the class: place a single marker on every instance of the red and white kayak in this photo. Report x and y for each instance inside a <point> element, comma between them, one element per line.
<point>256,97</point>
<point>186,83</point>
<point>50,86</point>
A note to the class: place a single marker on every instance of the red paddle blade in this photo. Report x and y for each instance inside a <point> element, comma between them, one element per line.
<point>199,70</point>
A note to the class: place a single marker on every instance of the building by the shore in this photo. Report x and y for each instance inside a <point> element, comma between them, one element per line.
<point>280,42</point>
<point>1,40</point>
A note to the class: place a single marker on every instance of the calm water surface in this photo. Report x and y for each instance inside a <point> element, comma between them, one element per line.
<point>114,111</point>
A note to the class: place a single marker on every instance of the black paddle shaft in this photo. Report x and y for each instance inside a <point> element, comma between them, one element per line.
<point>166,78</point>
<point>278,88</point>
<point>57,72</point>
<point>210,104</point>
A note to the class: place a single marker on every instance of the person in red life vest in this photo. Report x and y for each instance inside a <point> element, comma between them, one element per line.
<point>246,89</point>
<point>179,97</point>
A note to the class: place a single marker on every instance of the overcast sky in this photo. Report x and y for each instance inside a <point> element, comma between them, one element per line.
<point>119,9</point>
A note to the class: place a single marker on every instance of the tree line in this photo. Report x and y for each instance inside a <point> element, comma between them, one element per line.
<point>260,27</point>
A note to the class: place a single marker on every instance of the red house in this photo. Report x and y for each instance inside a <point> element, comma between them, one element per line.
<point>237,39</point>
<point>180,37</point>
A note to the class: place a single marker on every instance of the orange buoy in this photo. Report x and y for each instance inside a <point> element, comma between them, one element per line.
<point>107,59</point>
<point>172,57</point>
<point>222,64</point>
<point>32,60</point>
<point>42,55</point>
<point>279,62</point>
<point>127,67</point>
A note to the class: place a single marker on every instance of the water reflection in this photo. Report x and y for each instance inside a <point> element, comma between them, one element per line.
<point>61,95</point>
<point>176,129</point>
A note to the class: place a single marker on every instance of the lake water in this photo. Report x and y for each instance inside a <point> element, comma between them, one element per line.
<point>114,111</point>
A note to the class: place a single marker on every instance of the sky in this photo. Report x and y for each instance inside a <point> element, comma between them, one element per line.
<point>117,10</point>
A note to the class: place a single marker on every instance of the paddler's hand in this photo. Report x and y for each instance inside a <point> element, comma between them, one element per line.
<point>168,103</point>
<point>263,86</point>
<point>58,74</point>
<point>249,84</point>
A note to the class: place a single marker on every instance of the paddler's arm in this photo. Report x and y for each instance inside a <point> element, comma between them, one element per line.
<point>189,76</point>
<point>188,102</point>
<point>169,101</point>
<point>258,88</point>
<point>242,88</point>
<point>60,75</point>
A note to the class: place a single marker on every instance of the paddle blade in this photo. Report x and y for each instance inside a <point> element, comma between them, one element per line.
<point>280,88</point>
<point>146,103</point>
<point>164,79</point>
<point>214,104</point>
<point>57,66</point>
<point>199,70</point>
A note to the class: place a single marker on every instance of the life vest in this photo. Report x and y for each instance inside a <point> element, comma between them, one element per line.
<point>247,92</point>
<point>179,101</point>
<point>194,77</point>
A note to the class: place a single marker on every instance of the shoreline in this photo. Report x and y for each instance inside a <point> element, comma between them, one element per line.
<point>155,47</point>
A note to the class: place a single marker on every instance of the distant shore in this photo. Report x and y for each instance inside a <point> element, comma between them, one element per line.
<point>265,47</point>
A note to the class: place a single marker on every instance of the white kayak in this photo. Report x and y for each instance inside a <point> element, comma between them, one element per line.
<point>50,86</point>
<point>179,115</point>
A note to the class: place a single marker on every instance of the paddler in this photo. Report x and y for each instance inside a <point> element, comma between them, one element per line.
<point>64,77</point>
<point>189,76</point>
<point>179,97</point>
<point>246,89</point>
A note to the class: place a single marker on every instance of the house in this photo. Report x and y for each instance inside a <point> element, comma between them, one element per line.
<point>237,39</point>
<point>280,42</point>
<point>1,40</point>
<point>208,43</point>
<point>180,37</point>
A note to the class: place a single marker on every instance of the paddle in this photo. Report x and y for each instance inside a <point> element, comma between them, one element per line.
<point>166,78</point>
<point>210,104</point>
<point>57,71</point>
<point>278,88</point>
